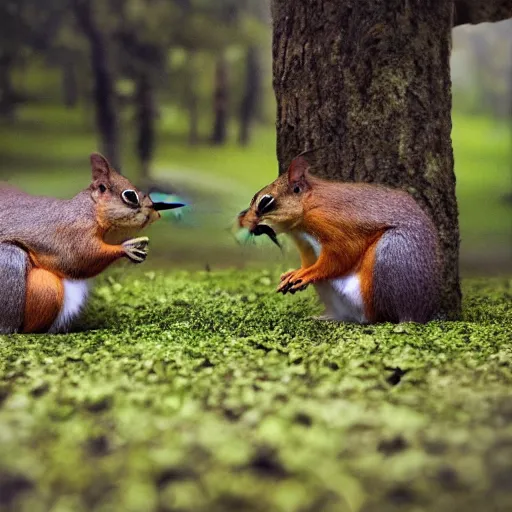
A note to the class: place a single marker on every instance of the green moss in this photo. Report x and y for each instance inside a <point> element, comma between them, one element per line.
<point>432,167</point>
<point>208,391</point>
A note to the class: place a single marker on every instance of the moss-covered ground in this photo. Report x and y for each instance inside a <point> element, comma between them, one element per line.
<point>209,392</point>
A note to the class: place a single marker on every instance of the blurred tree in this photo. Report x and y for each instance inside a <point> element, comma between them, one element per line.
<point>146,110</point>
<point>259,10</point>
<point>13,34</point>
<point>226,13</point>
<point>216,28</point>
<point>29,32</point>
<point>144,35</point>
<point>191,95</point>
<point>220,101</point>
<point>69,79</point>
<point>204,37</point>
<point>123,51</point>
<point>251,95</point>
<point>141,61</point>
<point>508,195</point>
<point>7,96</point>
<point>22,27</point>
<point>190,86</point>
<point>86,12</point>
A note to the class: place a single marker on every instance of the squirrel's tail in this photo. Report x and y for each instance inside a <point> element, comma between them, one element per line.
<point>13,277</point>
<point>406,275</point>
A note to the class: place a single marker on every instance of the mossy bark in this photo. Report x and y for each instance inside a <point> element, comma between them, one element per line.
<point>369,82</point>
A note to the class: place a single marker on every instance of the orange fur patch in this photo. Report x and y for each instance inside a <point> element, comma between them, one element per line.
<point>43,302</point>
<point>340,240</point>
<point>346,247</point>
<point>365,274</point>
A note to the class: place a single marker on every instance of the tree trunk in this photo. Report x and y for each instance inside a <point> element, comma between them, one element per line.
<point>220,102</point>
<point>104,90</point>
<point>374,90</point>
<point>146,123</point>
<point>252,95</point>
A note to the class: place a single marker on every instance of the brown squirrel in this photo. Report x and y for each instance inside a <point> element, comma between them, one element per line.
<point>370,251</point>
<point>50,247</point>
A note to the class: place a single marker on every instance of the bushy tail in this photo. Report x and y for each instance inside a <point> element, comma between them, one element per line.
<point>406,275</point>
<point>13,277</point>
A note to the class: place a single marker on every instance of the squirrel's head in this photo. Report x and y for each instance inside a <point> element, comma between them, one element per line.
<point>279,205</point>
<point>119,204</point>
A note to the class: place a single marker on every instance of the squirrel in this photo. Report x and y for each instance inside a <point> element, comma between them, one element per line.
<point>370,251</point>
<point>49,248</point>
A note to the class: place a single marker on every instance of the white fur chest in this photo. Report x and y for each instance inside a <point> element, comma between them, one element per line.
<point>341,296</point>
<point>75,297</point>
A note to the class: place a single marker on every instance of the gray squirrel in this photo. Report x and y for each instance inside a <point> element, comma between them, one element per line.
<point>49,248</point>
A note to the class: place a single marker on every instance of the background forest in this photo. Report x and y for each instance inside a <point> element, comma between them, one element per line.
<point>179,92</point>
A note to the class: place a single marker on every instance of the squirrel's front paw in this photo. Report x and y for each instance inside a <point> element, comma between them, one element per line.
<point>136,249</point>
<point>291,283</point>
<point>286,275</point>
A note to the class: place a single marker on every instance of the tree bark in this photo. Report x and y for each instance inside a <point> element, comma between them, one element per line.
<point>104,90</point>
<point>252,94</point>
<point>220,102</point>
<point>146,113</point>
<point>370,83</point>
<point>481,11</point>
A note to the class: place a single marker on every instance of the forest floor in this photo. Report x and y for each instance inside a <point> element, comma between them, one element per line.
<point>207,391</point>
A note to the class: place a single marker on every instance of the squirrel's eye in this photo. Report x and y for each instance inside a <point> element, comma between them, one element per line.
<point>130,197</point>
<point>102,188</point>
<point>266,203</point>
<point>296,189</point>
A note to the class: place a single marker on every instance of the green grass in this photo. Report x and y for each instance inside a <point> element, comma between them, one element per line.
<point>209,392</point>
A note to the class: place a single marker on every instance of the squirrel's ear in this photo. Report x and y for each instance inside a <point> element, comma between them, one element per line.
<point>298,170</point>
<point>100,167</point>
